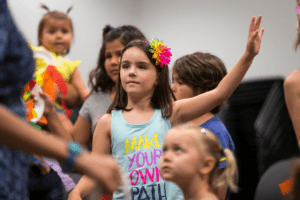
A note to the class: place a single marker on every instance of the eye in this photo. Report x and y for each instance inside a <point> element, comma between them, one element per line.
<point>165,149</point>
<point>178,149</point>
<point>65,31</point>
<point>125,66</point>
<point>180,82</point>
<point>119,54</point>
<point>51,31</point>
<point>107,56</point>
<point>142,67</point>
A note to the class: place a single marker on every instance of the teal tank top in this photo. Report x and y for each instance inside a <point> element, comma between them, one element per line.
<point>138,149</point>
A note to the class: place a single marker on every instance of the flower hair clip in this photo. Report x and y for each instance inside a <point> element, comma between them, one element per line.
<point>160,51</point>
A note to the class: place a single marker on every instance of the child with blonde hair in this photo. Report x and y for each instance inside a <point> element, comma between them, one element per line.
<point>191,157</point>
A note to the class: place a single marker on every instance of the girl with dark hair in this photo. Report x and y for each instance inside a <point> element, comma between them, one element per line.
<point>143,111</point>
<point>103,80</point>
<point>195,74</point>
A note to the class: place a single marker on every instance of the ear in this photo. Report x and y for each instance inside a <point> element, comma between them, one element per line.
<point>207,165</point>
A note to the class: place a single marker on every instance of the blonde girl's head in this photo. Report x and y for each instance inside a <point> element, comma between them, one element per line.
<point>210,152</point>
<point>56,22</point>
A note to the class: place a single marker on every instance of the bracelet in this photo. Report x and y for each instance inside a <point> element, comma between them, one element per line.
<point>35,160</point>
<point>74,150</point>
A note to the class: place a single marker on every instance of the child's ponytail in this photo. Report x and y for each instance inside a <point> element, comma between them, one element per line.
<point>106,29</point>
<point>230,171</point>
<point>45,7</point>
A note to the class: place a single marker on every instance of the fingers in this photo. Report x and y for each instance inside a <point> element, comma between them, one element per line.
<point>257,23</point>
<point>252,22</point>
<point>45,96</point>
<point>262,32</point>
<point>33,97</point>
<point>254,25</point>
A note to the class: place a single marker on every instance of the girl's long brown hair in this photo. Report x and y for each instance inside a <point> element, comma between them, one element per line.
<point>98,78</point>
<point>162,96</point>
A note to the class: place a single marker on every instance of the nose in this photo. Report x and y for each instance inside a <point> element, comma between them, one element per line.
<point>173,88</point>
<point>132,71</point>
<point>115,61</point>
<point>166,156</point>
<point>59,34</point>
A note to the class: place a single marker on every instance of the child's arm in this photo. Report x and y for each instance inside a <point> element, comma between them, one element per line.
<point>81,132</point>
<point>292,99</point>
<point>77,81</point>
<point>72,99</point>
<point>101,145</point>
<point>188,109</point>
<point>54,123</point>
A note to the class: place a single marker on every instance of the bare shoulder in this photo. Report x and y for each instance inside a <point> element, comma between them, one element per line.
<point>105,118</point>
<point>210,196</point>
<point>104,124</point>
<point>293,80</point>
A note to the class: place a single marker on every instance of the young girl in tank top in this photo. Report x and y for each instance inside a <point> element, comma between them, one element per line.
<point>142,112</point>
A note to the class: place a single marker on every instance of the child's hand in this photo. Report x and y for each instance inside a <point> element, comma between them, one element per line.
<point>254,39</point>
<point>58,95</point>
<point>49,104</point>
<point>43,169</point>
<point>102,168</point>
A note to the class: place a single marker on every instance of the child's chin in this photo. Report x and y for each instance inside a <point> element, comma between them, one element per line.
<point>168,177</point>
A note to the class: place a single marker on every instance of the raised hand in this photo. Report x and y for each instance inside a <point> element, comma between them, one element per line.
<point>254,37</point>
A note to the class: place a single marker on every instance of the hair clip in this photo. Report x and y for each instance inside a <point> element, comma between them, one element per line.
<point>297,9</point>
<point>203,130</point>
<point>160,51</point>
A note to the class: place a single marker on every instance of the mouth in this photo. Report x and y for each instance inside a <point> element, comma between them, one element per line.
<point>115,72</point>
<point>59,44</point>
<point>132,82</point>
<point>166,169</point>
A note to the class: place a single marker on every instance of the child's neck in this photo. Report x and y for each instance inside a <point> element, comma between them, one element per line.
<point>58,54</point>
<point>141,104</point>
<point>198,189</point>
<point>200,120</point>
<point>202,192</point>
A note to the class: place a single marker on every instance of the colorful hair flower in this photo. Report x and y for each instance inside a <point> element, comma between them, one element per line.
<point>160,51</point>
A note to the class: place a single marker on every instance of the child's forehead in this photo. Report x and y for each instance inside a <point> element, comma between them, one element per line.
<point>135,54</point>
<point>184,135</point>
<point>57,23</point>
